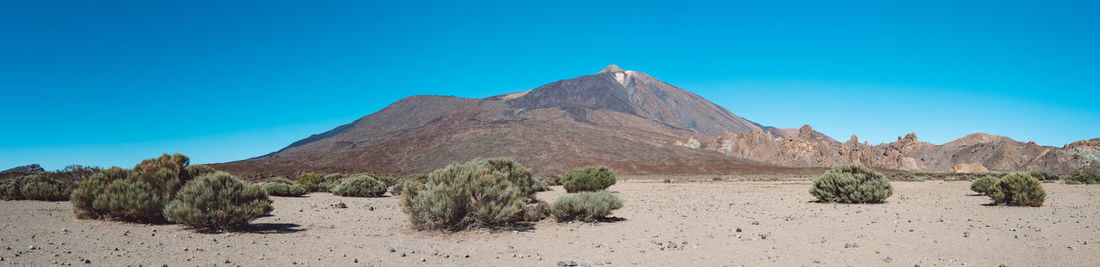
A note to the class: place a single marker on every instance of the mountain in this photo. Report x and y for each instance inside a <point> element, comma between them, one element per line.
<point>22,170</point>
<point>631,122</point>
<point>626,120</point>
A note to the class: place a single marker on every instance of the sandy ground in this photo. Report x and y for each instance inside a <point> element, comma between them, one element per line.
<point>930,223</point>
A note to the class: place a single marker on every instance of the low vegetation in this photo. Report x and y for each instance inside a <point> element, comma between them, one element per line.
<point>311,181</point>
<point>481,193</point>
<point>360,185</point>
<point>550,180</point>
<point>851,184</point>
<point>136,195</point>
<point>588,179</point>
<point>330,181</point>
<point>984,185</point>
<point>217,202</point>
<point>275,188</point>
<point>1084,176</point>
<point>585,206</point>
<point>1018,190</point>
<point>46,186</point>
<point>411,182</point>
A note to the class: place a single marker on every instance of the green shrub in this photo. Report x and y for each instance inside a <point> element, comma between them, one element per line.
<point>412,182</point>
<point>387,180</point>
<point>310,181</point>
<point>280,180</point>
<point>984,185</point>
<point>40,186</point>
<point>851,184</point>
<point>133,195</point>
<point>588,179</point>
<point>217,202</point>
<point>550,180</point>
<point>585,206</point>
<point>360,185</point>
<point>478,193</point>
<point>199,170</point>
<point>331,181</point>
<point>1085,176</point>
<point>1018,190</point>
<point>1045,177</point>
<point>277,188</point>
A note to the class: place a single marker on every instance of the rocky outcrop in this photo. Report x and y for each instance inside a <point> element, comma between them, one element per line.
<point>25,169</point>
<point>973,167</point>
<point>978,152</point>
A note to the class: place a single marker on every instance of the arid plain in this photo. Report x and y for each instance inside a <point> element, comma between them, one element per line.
<point>694,222</point>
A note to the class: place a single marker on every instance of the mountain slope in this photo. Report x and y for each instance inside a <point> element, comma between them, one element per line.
<point>623,119</point>
<point>631,122</point>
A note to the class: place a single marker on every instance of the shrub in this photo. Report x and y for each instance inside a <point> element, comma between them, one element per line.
<point>478,193</point>
<point>984,185</point>
<point>387,180</point>
<point>1044,177</point>
<point>588,179</point>
<point>550,180</point>
<point>278,188</point>
<point>536,212</point>
<point>310,181</point>
<point>412,182</point>
<point>360,185</point>
<point>585,206</point>
<point>217,202</point>
<point>1018,190</point>
<point>331,181</point>
<point>851,184</point>
<point>280,180</point>
<point>40,186</point>
<point>1085,176</point>
<point>133,195</point>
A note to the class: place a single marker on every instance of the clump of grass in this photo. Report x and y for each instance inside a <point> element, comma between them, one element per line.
<point>1018,190</point>
<point>360,185</point>
<point>851,184</point>
<point>585,206</point>
<point>217,202</point>
<point>588,179</point>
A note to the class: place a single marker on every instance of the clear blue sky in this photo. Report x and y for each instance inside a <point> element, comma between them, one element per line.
<point>109,83</point>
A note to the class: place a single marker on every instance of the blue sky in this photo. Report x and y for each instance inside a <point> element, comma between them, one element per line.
<point>109,83</point>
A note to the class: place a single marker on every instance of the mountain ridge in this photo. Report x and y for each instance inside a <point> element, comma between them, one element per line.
<point>625,119</point>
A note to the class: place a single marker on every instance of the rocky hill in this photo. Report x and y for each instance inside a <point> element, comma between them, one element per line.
<point>977,152</point>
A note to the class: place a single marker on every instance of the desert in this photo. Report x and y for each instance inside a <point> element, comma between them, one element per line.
<point>690,222</point>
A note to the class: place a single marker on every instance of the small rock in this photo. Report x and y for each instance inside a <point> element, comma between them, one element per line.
<point>561,264</point>
<point>355,261</point>
<point>392,250</point>
<point>33,247</point>
<point>402,254</point>
<point>370,208</point>
<point>755,222</point>
<point>87,261</point>
<point>738,229</point>
<point>888,259</point>
<point>966,234</point>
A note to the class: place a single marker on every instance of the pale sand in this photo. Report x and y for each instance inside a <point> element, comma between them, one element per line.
<point>927,223</point>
